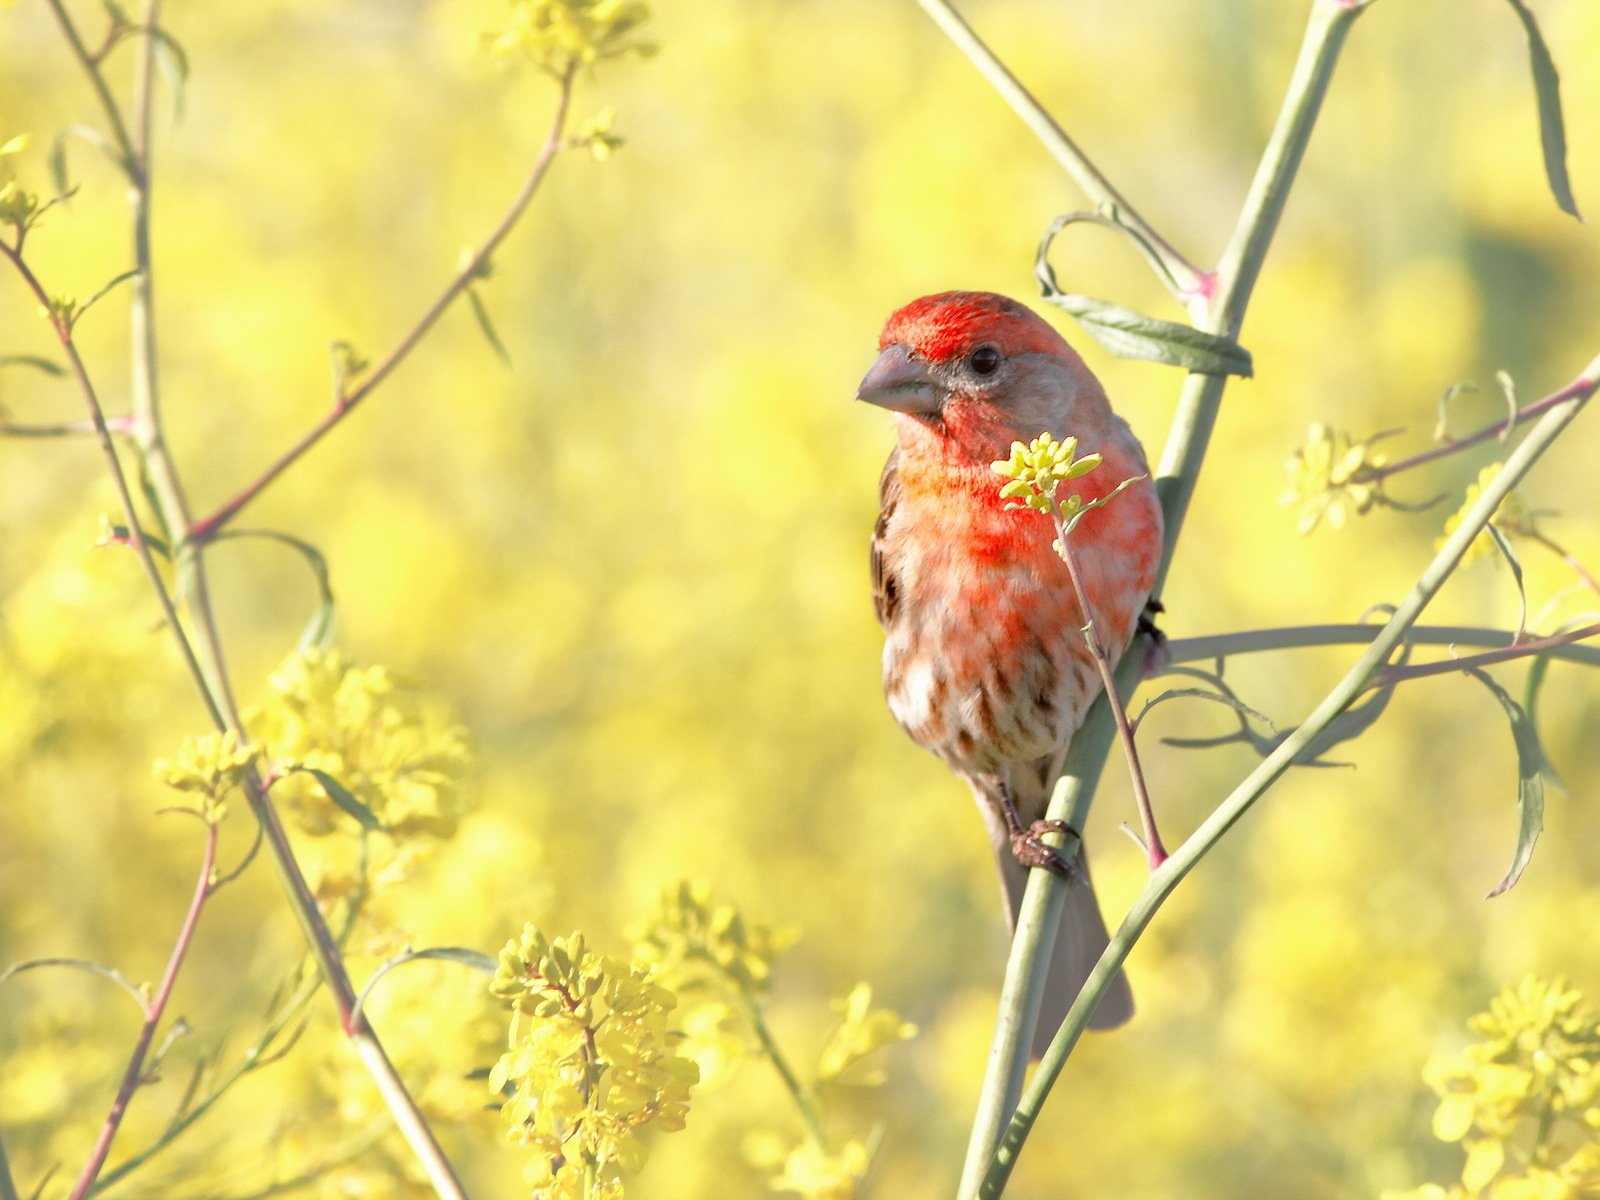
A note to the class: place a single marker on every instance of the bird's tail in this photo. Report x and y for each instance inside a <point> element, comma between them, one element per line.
<point>1080,940</point>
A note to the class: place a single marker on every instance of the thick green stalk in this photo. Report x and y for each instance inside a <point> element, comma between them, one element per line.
<point>1177,477</point>
<point>1366,668</point>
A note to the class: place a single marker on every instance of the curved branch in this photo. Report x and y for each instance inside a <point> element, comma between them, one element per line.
<point>346,400</point>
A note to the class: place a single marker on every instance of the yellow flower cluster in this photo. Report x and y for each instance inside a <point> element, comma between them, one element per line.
<point>819,1174</point>
<point>1524,1101</point>
<point>689,934</point>
<point>559,36</point>
<point>210,765</point>
<point>1511,517</point>
<point>1039,468</point>
<point>1325,478</point>
<point>590,1061</point>
<point>706,949</point>
<point>1037,472</point>
<point>861,1031</point>
<point>372,733</point>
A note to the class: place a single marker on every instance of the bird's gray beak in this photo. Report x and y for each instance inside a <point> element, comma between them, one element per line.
<point>900,382</point>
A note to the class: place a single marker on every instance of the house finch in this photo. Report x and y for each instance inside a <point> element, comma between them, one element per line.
<point>985,662</point>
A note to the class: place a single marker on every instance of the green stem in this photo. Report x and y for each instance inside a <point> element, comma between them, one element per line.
<point>97,80</point>
<point>1155,852</point>
<point>8,1186</point>
<point>206,661</point>
<point>1360,676</point>
<point>1188,284</point>
<point>1177,477</point>
<point>802,1100</point>
<point>254,1058</point>
<point>1241,261</point>
<point>1300,637</point>
<point>346,399</point>
<point>133,1076</point>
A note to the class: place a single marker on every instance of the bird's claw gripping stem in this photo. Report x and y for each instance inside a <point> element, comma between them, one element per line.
<point>1031,850</point>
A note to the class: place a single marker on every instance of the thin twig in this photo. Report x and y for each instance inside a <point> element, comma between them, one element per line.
<point>1191,286</point>
<point>208,665</point>
<point>1455,445</point>
<point>791,1082</point>
<point>133,1076</point>
<point>1304,637</point>
<point>1155,852</point>
<point>141,545</point>
<point>61,428</point>
<point>91,68</point>
<point>347,399</point>
<point>1523,649</point>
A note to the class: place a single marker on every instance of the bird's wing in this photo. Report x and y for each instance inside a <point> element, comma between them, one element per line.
<point>885,588</point>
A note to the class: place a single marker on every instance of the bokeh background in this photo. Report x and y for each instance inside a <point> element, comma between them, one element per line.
<point>633,565</point>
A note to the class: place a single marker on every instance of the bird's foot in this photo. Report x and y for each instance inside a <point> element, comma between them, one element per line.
<point>1031,850</point>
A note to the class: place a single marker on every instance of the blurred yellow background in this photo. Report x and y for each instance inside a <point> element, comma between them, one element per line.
<point>671,669</point>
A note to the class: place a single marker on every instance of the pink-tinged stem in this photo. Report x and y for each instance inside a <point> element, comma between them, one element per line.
<point>1455,445</point>
<point>152,1020</point>
<point>1400,674</point>
<point>1155,852</point>
<point>348,398</point>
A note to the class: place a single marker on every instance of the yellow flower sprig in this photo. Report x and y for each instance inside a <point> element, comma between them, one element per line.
<point>590,1061</point>
<point>1037,471</point>
<point>1523,1100</point>
<point>559,36</point>
<point>1328,478</point>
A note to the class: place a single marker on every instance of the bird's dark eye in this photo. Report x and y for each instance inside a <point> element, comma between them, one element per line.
<point>985,360</point>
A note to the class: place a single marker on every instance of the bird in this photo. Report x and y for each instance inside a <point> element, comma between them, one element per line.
<point>985,662</point>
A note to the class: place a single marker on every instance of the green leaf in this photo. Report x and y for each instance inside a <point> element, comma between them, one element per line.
<point>318,633</point>
<point>1538,669</point>
<point>1552,128</point>
<point>1510,555</point>
<point>83,964</point>
<point>487,326</point>
<point>83,308</point>
<point>57,157</point>
<point>1441,428</point>
<point>1530,781</point>
<point>122,535</point>
<point>1129,334</point>
<point>465,956</point>
<point>1243,710</point>
<point>342,797</point>
<point>33,361</point>
<point>173,63</point>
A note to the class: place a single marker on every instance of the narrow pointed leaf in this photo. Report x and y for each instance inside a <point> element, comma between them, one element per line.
<point>464,955</point>
<point>318,633</point>
<point>342,798</point>
<point>1552,128</point>
<point>173,64</point>
<point>101,294</point>
<point>1243,710</point>
<point>83,964</point>
<point>1530,781</point>
<point>1510,555</point>
<point>1129,334</point>
<point>33,361</point>
<point>487,326</point>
